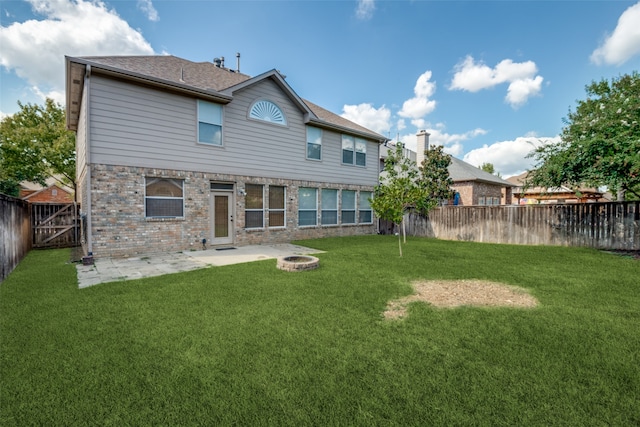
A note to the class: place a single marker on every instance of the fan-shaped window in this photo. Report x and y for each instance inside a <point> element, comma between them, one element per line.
<point>268,112</point>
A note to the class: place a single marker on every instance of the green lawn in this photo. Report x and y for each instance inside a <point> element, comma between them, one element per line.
<point>249,344</point>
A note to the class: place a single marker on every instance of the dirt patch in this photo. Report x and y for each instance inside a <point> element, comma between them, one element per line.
<point>455,293</point>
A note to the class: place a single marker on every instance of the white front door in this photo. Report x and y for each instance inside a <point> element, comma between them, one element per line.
<point>221,218</point>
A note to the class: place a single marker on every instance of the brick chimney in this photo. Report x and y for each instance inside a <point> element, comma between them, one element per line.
<point>423,144</point>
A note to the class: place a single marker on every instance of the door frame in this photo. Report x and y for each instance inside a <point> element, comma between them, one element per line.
<point>230,216</point>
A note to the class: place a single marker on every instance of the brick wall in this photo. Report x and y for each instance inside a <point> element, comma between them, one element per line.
<point>51,194</point>
<point>119,227</point>
<point>472,191</point>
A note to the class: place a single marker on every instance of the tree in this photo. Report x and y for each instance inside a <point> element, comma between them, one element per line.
<point>600,143</point>
<point>35,145</point>
<point>435,180</point>
<point>404,185</point>
<point>488,167</point>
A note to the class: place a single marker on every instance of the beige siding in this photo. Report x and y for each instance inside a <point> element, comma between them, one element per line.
<point>137,126</point>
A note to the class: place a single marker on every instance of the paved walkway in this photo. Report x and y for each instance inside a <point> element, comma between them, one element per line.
<point>116,269</point>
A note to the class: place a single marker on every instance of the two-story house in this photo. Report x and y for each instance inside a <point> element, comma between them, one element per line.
<point>174,154</point>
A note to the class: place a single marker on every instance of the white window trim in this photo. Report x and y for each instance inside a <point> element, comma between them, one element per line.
<point>246,210</point>
<point>267,103</point>
<point>315,224</point>
<point>199,120</point>
<point>163,198</point>
<point>354,208</point>
<point>323,210</point>
<point>283,209</point>
<point>354,151</point>
<point>311,143</point>
<point>370,210</point>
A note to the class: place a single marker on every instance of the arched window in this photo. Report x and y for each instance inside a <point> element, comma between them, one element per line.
<point>268,112</point>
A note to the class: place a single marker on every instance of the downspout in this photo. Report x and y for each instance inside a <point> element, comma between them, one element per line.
<point>87,155</point>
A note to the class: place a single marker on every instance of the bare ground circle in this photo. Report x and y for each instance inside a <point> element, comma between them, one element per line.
<point>455,293</point>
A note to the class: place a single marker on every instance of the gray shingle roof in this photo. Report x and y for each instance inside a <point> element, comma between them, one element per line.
<point>463,171</point>
<point>206,76</point>
<point>202,75</point>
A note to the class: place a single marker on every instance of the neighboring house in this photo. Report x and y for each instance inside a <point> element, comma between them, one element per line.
<point>472,185</point>
<point>174,154</point>
<point>53,192</point>
<point>533,195</point>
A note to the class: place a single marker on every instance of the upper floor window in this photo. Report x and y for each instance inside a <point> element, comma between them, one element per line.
<point>348,145</point>
<point>354,151</point>
<point>267,111</point>
<point>361,152</point>
<point>164,198</point>
<point>209,123</point>
<point>314,143</point>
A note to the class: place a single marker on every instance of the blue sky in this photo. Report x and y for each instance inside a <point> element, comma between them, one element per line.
<point>488,79</point>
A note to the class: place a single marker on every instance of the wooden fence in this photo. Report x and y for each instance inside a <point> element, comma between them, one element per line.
<point>55,225</point>
<point>613,225</point>
<point>15,233</point>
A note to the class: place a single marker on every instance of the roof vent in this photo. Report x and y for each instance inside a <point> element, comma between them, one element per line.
<point>218,62</point>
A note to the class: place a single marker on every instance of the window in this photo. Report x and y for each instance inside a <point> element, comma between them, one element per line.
<point>481,200</point>
<point>267,111</point>
<point>314,143</point>
<point>253,206</point>
<point>164,198</point>
<point>209,123</point>
<point>354,151</point>
<point>365,208</point>
<point>348,144</point>
<point>348,213</point>
<point>329,214</point>
<point>307,206</point>
<point>361,152</point>
<point>277,196</point>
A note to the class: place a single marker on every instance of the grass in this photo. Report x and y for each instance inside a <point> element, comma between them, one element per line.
<point>249,344</point>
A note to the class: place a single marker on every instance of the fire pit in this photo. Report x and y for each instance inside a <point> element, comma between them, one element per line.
<point>298,263</point>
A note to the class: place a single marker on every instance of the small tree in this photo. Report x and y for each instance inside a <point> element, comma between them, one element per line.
<point>434,179</point>
<point>600,144</point>
<point>35,145</point>
<point>404,185</point>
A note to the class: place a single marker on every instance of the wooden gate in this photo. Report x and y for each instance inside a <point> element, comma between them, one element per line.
<point>55,225</point>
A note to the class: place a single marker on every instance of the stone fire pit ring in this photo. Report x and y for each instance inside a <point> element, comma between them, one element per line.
<point>297,263</point>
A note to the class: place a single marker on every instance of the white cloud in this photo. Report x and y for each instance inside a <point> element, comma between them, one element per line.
<point>367,115</point>
<point>520,90</point>
<point>365,9</point>
<point>509,158</point>
<point>420,105</point>
<point>57,95</point>
<point>623,43</point>
<point>35,49</point>
<point>147,7</point>
<point>3,115</point>
<point>523,82</point>
<point>401,125</point>
<point>452,143</point>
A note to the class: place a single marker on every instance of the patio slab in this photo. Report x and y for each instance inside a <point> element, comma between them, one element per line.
<point>105,270</point>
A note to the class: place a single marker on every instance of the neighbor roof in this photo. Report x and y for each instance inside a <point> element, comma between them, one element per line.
<point>203,79</point>
<point>463,171</point>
